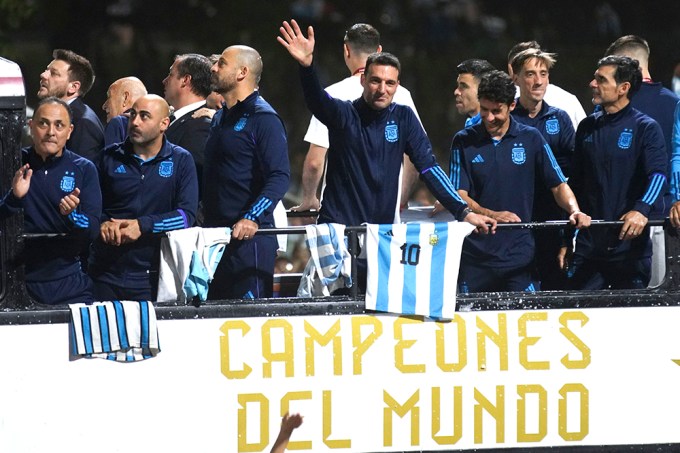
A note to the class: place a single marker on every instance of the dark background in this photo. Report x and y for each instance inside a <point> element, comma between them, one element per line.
<point>141,37</point>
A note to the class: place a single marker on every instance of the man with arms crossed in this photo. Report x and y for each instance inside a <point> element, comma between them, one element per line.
<point>149,186</point>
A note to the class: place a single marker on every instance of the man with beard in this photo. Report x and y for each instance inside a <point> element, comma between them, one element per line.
<point>246,173</point>
<point>149,186</point>
<point>69,77</point>
<point>58,192</point>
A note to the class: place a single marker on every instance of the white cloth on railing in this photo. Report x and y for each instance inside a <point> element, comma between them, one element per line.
<point>330,264</point>
<point>189,258</point>
<point>281,221</point>
<point>422,214</point>
<point>413,268</point>
<point>123,331</point>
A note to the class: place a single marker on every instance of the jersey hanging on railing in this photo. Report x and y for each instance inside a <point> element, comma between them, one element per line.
<point>413,267</point>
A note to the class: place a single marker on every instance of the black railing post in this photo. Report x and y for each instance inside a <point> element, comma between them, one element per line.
<point>353,247</point>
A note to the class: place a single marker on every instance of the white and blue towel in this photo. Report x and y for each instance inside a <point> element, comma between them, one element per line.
<point>413,268</point>
<point>189,259</point>
<point>122,331</point>
<point>330,264</point>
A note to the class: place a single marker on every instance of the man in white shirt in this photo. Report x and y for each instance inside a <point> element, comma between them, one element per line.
<point>186,88</point>
<point>360,41</point>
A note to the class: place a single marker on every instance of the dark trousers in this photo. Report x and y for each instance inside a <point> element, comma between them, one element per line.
<point>246,270</point>
<point>126,287</point>
<point>626,274</point>
<point>474,278</point>
<point>72,289</point>
<point>550,275</point>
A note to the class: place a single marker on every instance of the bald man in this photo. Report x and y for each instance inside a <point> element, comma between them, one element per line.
<point>149,186</point>
<point>246,173</point>
<point>119,98</point>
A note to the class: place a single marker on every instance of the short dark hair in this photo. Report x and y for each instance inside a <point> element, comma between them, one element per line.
<point>496,86</point>
<point>384,59</point>
<point>474,67</point>
<point>363,38</point>
<point>198,67</point>
<point>627,70</point>
<point>628,43</point>
<point>520,46</point>
<point>55,100</point>
<point>79,69</point>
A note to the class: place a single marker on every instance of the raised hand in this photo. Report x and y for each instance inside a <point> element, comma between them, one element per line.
<point>299,47</point>
<point>22,181</point>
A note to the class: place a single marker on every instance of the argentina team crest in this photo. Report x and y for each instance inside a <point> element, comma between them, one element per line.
<point>68,182</point>
<point>626,138</point>
<point>241,123</point>
<point>519,154</point>
<point>391,132</point>
<point>165,169</point>
<point>552,126</point>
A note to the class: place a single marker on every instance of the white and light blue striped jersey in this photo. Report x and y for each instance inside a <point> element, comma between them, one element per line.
<point>413,268</point>
<point>330,263</point>
<point>189,258</point>
<point>123,331</point>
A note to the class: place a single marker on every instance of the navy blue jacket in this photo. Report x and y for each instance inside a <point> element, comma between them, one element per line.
<point>365,156</point>
<point>246,169</point>
<point>116,130</point>
<point>191,134</point>
<point>620,164</point>
<point>658,103</point>
<point>557,129</point>
<point>87,138</point>
<point>503,177</point>
<point>55,258</point>
<point>162,194</point>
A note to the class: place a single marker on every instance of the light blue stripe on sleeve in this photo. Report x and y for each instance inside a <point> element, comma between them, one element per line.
<point>174,223</point>
<point>454,168</point>
<point>654,189</point>
<point>553,162</point>
<point>675,186</point>
<point>444,180</point>
<point>79,220</point>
